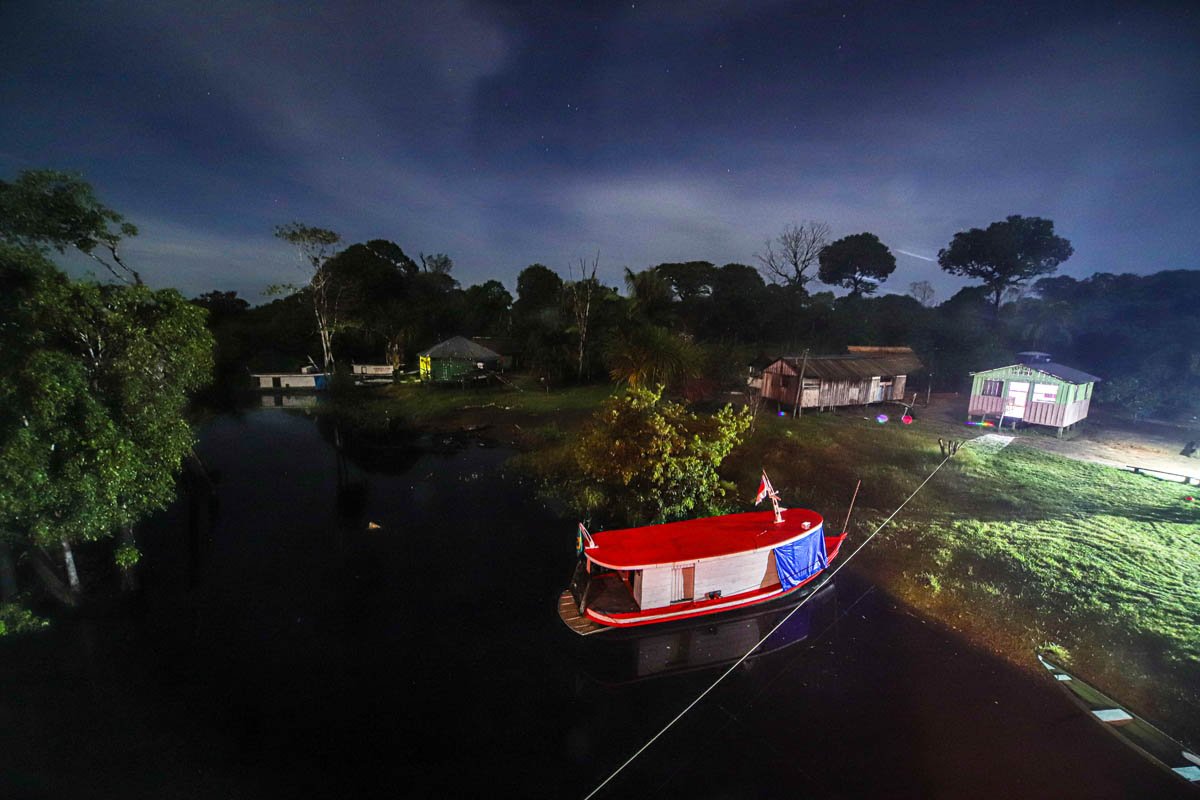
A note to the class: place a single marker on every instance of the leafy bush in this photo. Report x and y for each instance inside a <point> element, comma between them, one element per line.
<point>15,619</point>
<point>643,459</point>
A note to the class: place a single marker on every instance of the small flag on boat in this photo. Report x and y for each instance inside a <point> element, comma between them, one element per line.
<point>765,489</point>
<point>583,539</point>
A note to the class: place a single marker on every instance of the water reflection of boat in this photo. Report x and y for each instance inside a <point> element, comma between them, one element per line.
<point>289,400</point>
<point>661,573</point>
<point>639,654</point>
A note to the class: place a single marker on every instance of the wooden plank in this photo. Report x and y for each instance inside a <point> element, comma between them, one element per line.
<point>568,612</point>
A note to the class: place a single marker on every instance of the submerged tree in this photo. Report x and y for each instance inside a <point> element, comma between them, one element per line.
<point>1006,254</point>
<point>644,459</point>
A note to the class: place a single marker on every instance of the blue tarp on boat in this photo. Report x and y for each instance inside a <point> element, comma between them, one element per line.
<point>798,561</point>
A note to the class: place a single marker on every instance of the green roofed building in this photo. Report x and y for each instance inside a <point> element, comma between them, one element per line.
<point>1036,391</point>
<point>457,360</point>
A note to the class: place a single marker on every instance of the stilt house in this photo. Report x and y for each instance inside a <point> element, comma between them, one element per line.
<point>864,375</point>
<point>456,360</point>
<point>1036,391</point>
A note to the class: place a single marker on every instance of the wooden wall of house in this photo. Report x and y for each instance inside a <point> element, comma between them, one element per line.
<point>1071,403</point>
<point>779,384</point>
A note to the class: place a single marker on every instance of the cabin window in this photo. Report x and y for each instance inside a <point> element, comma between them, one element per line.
<point>276,383</point>
<point>1045,393</point>
<point>993,389</point>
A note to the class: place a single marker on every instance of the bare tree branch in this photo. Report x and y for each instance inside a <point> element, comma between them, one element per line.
<point>581,303</point>
<point>791,255</point>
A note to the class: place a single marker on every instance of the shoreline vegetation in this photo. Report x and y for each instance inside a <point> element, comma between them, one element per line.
<point>1014,548</point>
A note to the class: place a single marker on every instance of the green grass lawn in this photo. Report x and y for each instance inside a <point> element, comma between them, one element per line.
<point>520,400</point>
<point>1019,547</point>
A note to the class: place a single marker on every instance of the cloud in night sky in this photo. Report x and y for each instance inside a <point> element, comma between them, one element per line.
<point>507,134</point>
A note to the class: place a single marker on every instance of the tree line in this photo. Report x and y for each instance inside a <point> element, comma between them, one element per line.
<point>97,374</point>
<point>681,323</point>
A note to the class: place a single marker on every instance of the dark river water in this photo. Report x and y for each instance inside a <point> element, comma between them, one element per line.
<point>286,649</point>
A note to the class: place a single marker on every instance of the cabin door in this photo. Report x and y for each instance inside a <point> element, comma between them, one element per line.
<point>1014,403</point>
<point>683,583</point>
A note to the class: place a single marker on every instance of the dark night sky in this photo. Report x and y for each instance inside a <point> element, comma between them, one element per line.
<point>506,134</point>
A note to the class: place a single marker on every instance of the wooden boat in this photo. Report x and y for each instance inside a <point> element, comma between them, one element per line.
<point>679,570</point>
<point>1128,727</point>
<point>307,379</point>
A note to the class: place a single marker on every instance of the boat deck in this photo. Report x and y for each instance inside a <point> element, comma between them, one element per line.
<point>568,612</point>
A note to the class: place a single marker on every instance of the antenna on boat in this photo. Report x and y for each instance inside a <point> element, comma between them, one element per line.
<point>765,489</point>
<point>850,510</point>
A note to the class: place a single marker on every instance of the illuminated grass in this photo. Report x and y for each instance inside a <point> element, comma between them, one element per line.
<point>1019,547</point>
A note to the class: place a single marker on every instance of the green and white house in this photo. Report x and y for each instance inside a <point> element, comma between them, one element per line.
<point>457,360</point>
<point>1036,391</point>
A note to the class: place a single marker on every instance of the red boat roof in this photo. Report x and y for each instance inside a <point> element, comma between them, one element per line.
<point>695,539</point>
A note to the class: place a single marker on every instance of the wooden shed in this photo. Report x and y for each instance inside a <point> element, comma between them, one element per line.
<point>1036,391</point>
<point>456,360</point>
<point>862,376</point>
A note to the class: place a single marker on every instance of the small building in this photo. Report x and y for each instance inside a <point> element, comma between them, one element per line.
<point>862,376</point>
<point>372,373</point>
<point>457,360</point>
<point>1036,391</point>
<point>308,378</point>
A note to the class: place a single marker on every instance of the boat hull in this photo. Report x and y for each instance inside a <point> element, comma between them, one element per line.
<point>696,608</point>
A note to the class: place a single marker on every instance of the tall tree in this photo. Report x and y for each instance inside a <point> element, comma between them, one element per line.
<point>374,284</point>
<point>539,323</point>
<point>790,256</point>
<point>92,392</point>
<point>48,209</point>
<point>488,309</point>
<point>315,247</point>
<point>580,294</point>
<point>1006,254</point>
<point>650,295</point>
<point>859,262</point>
<point>736,304</point>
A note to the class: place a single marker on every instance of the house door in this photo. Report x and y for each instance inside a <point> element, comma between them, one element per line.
<point>876,391</point>
<point>683,583</point>
<point>1014,403</point>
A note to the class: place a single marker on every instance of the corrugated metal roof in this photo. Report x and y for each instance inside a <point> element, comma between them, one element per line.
<point>461,347</point>
<point>1060,371</point>
<point>850,367</point>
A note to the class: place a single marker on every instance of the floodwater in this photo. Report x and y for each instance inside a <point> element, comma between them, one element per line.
<point>285,648</point>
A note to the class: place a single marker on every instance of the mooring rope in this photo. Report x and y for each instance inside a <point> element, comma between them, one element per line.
<point>759,643</point>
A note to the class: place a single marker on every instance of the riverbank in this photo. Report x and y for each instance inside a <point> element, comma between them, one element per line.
<point>1015,548</point>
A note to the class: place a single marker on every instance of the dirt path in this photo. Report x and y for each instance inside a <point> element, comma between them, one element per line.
<point>1103,439</point>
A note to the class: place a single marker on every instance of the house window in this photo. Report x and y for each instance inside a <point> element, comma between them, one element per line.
<point>993,388</point>
<point>1045,393</point>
